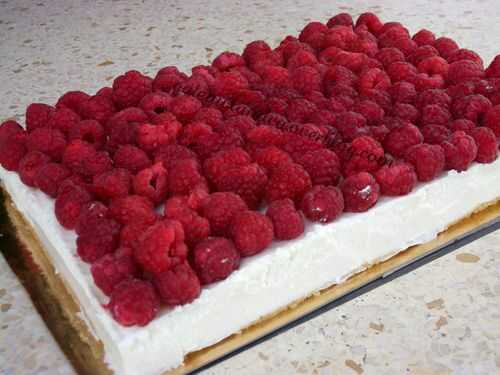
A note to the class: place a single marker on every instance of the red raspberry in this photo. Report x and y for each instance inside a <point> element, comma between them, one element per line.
<point>464,125</point>
<point>49,141</point>
<point>127,116</point>
<point>310,31</point>
<point>367,44</point>
<point>244,124</point>
<point>155,103</point>
<point>178,286</point>
<point>371,21</point>
<point>401,71</point>
<point>228,60</point>
<point>340,36</point>
<point>351,125</point>
<point>351,60</point>
<point>220,208</point>
<point>270,157</point>
<point>168,78</point>
<point>306,79</point>
<point>255,49</point>
<point>493,69</point>
<point>130,88</point>
<point>276,76</point>
<point>341,19</point>
<point>37,116</point>
<point>29,165</point>
<point>370,110</point>
<point>422,53</point>
<point>492,120</point>
<point>119,135</point>
<point>131,233</point>
<point>92,216</point>
<point>89,131</point>
<point>247,181</point>
<point>462,89</point>
<point>360,191</point>
<point>12,145</point>
<point>98,108</point>
<point>288,223</point>
<point>424,37</point>
<point>49,176</point>
<point>327,118</point>
<point>365,154</point>
<point>300,110</point>
<point>323,166</point>
<point>466,54</point>
<point>387,56</point>
<point>134,302</point>
<point>428,160</point>
<point>157,248</point>
<point>82,158</point>
<point>288,181</point>
<point>301,58</point>
<point>196,228</point>
<point>460,150</point>
<point>209,116</point>
<point>402,138</point>
<point>131,158</point>
<point>403,43</point>
<point>396,179</point>
<point>150,137</point>
<point>106,92</point>
<point>373,79</point>
<point>251,232</point>
<point>254,100</point>
<point>185,107</point>
<point>433,65</point>
<point>111,269</point>
<point>435,134</point>
<point>424,81</point>
<point>103,240</point>
<point>112,184</point>
<point>405,112</point>
<point>322,203</point>
<point>72,100</point>
<point>152,183</point>
<point>435,114</point>
<point>132,208</point>
<point>464,70</point>
<point>487,148</point>
<point>215,259</point>
<point>216,164</point>
<point>184,176</point>
<point>445,46</point>
<point>68,205</point>
<point>62,119</point>
<point>379,133</point>
<point>433,96</point>
<point>471,107</point>
<point>228,84</point>
<point>171,154</point>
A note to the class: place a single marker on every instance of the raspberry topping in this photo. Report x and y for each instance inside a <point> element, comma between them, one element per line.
<point>402,138</point>
<point>215,259</point>
<point>288,223</point>
<point>178,285</point>
<point>251,232</point>
<point>130,88</point>
<point>396,179</point>
<point>487,148</point>
<point>322,203</point>
<point>460,150</point>
<point>288,181</point>
<point>112,184</point>
<point>360,191</point>
<point>111,269</point>
<point>132,208</point>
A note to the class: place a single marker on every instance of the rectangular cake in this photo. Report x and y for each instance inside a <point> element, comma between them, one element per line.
<point>370,142</point>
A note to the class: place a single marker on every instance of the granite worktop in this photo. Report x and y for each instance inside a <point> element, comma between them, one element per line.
<point>440,319</point>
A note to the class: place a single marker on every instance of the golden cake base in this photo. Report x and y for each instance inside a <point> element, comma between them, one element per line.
<point>59,307</point>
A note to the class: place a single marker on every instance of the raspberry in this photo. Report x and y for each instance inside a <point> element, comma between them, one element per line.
<point>130,88</point>
<point>68,205</point>
<point>460,150</point>
<point>270,157</point>
<point>405,112</point>
<point>387,56</point>
<point>487,148</point>
<point>428,160</point>
<point>112,184</point>
<point>92,216</point>
<point>340,36</point>
<point>209,116</point>
<point>51,142</point>
<point>373,79</point>
<point>288,181</point>
<point>351,125</point>
<point>364,155</point>
<point>72,100</point>
<point>215,259</point>
<point>341,19</point>
<point>106,92</point>
<point>433,96</point>
<point>435,134</point>
<point>327,118</point>
<point>91,246</point>
<point>247,181</point>
<point>379,132</point>
<point>228,60</point>
<point>111,269</point>
<point>29,165</point>
<point>471,107</point>
<point>255,49</point>
<point>152,183</point>
<point>464,70</point>
<point>433,65</point>
<point>184,107</point>
<point>184,176</point>
<point>402,138</point>
<point>127,116</point>
<point>403,92</point>
<point>178,286</point>
<point>464,125</point>
<point>322,203</point>
<point>228,84</point>
<point>196,228</point>
<point>310,31</point>
<point>276,76</point>
<point>82,158</point>
<point>62,119</point>
<point>351,60</point>
<point>466,54</point>
<point>131,158</point>
<point>360,191</point>
<point>367,44</point>
<point>396,179</point>
<point>435,114</point>
<point>493,69</point>
<point>133,302</point>
<point>155,103</point>
<point>216,164</point>
<point>98,108</point>
<point>492,120</point>
<point>288,223</point>
<point>132,208</point>
<point>251,232</point>
<point>403,43</point>
<point>244,124</point>
<point>156,248</point>
<point>423,81</point>
<point>37,116</point>
<point>89,131</point>
<point>300,110</point>
<point>301,58</point>
<point>167,79</point>
<point>422,53</point>
<point>150,137</point>
<point>220,208</point>
<point>12,145</point>
<point>462,89</point>
<point>323,166</point>
<point>371,21</point>
<point>255,100</point>
<point>401,71</point>
<point>131,232</point>
<point>169,155</point>
<point>445,46</point>
<point>306,79</point>
<point>48,177</point>
<point>424,37</point>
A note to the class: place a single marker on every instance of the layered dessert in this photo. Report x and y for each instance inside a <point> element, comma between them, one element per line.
<point>180,209</point>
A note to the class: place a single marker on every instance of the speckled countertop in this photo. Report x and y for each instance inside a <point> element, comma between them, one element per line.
<point>441,319</point>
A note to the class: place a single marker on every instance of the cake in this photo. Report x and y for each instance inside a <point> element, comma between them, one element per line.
<point>179,210</point>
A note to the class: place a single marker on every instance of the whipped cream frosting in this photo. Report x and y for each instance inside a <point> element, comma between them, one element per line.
<point>286,272</point>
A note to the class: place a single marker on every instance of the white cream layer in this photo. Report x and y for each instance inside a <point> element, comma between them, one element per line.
<point>289,271</point>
